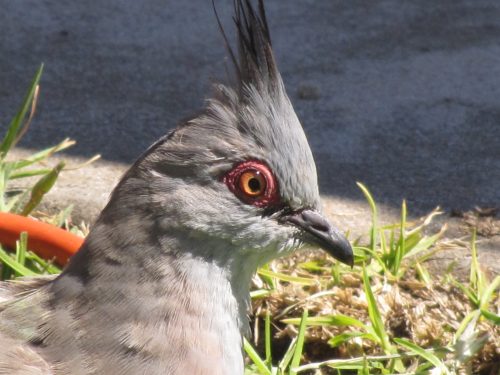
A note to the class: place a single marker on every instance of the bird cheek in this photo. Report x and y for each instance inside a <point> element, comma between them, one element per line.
<point>289,239</point>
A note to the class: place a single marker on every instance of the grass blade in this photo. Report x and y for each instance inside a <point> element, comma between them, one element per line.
<point>16,123</point>
<point>267,337</point>
<point>488,293</point>
<point>477,281</point>
<point>345,336</point>
<point>22,248</point>
<point>43,266</point>
<point>491,316</point>
<point>328,320</point>
<point>254,356</point>
<point>299,347</point>
<point>284,363</point>
<point>374,313</point>
<point>44,154</point>
<point>287,278</point>
<point>400,248</point>
<point>18,268</point>
<point>430,357</point>
<point>469,342</point>
<point>373,208</point>
<point>41,188</point>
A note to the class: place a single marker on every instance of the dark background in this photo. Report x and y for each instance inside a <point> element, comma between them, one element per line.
<point>404,96</point>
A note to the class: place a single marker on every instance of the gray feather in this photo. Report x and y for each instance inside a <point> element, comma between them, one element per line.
<point>160,285</point>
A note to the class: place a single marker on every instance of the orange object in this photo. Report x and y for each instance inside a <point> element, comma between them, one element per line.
<point>48,241</point>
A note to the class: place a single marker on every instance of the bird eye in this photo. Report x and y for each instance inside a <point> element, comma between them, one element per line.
<point>253,182</point>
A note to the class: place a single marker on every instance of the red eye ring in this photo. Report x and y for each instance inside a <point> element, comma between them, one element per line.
<point>253,182</point>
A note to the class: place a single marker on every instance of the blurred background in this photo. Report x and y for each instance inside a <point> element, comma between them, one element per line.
<point>402,96</point>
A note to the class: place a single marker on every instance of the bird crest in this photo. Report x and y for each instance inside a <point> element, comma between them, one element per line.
<point>255,64</point>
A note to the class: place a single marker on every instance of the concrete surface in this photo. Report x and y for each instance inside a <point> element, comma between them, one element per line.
<point>403,96</point>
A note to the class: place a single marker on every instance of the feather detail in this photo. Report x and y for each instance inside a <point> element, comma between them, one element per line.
<point>255,64</point>
<point>22,287</point>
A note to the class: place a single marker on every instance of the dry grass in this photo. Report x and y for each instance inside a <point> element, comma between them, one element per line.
<point>429,315</point>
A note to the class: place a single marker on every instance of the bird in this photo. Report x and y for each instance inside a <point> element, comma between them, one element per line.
<point>161,282</point>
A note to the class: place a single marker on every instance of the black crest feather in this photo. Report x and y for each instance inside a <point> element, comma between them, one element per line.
<point>255,64</point>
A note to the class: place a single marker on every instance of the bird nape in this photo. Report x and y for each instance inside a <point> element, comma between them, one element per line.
<point>161,283</point>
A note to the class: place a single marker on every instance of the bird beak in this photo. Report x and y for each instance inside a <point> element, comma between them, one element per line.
<point>321,233</point>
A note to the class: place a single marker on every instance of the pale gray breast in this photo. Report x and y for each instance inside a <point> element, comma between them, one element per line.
<point>185,325</point>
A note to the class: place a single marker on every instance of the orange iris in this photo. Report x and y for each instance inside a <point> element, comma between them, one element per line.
<point>252,183</point>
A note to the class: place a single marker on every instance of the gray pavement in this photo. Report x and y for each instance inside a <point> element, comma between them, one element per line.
<point>403,96</point>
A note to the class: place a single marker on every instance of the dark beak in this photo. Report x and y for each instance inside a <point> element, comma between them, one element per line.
<point>321,233</point>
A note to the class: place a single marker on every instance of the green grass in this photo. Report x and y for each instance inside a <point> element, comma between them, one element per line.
<point>24,200</point>
<point>393,259</point>
<point>316,302</point>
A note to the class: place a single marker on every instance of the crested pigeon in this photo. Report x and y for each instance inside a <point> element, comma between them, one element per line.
<point>161,283</point>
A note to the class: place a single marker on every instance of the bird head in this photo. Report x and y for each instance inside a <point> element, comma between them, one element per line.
<point>238,176</point>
